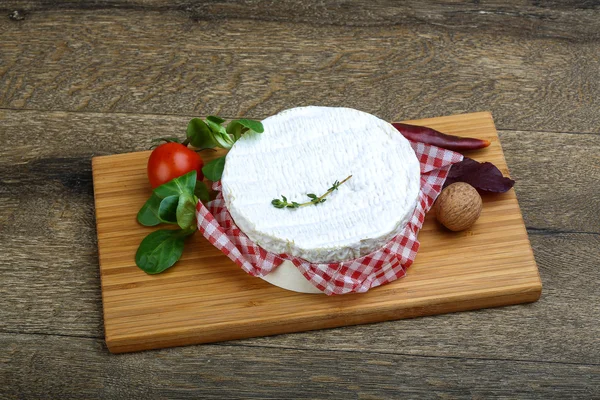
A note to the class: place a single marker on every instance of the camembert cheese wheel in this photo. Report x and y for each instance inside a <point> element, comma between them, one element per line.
<point>304,151</point>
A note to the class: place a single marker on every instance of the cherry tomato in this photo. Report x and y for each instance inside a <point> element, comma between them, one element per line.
<point>170,160</point>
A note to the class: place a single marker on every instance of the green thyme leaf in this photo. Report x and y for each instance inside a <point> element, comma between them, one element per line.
<point>314,199</point>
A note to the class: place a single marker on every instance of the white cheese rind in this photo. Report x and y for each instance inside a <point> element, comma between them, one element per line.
<point>304,150</point>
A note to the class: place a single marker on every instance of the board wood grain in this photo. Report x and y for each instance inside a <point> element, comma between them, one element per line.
<point>205,297</point>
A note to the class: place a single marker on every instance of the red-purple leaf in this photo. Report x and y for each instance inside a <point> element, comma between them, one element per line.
<point>482,176</point>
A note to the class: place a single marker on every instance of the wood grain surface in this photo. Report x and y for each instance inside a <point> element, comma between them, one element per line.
<point>207,298</point>
<point>242,372</point>
<point>64,66</point>
<point>533,66</point>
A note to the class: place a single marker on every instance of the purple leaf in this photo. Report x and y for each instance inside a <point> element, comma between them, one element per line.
<point>482,176</point>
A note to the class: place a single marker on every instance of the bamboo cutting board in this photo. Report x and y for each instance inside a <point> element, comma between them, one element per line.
<point>205,297</point>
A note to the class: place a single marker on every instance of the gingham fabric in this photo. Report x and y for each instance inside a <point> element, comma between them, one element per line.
<point>359,275</point>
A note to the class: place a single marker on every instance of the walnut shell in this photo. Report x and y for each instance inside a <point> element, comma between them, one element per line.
<point>458,206</point>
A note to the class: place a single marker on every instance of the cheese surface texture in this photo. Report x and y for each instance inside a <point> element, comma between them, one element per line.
<point>305,150</point>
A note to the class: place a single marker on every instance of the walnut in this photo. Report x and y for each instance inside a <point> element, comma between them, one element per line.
<point>458,206</point>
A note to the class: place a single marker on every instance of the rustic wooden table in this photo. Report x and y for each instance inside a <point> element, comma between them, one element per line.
<point>79,79</point>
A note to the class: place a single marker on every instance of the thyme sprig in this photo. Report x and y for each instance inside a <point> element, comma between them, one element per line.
<point>314,199</point>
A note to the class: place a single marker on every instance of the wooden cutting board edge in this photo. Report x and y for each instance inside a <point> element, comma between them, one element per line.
<point>520,294</point>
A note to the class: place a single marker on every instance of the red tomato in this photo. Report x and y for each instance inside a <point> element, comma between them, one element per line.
<point>170,160</point>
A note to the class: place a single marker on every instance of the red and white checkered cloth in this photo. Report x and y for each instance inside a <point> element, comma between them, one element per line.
<point>359,275</point>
